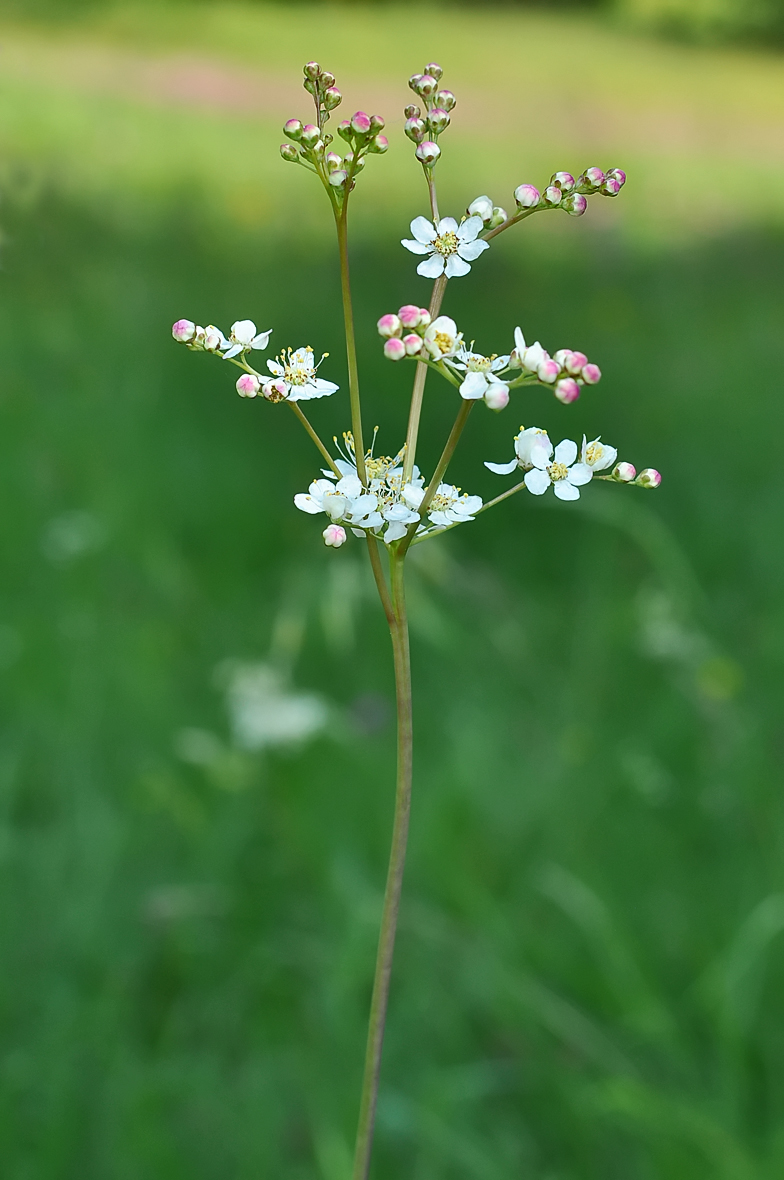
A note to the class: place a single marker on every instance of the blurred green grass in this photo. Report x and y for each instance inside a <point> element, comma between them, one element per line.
<point>589,975</point>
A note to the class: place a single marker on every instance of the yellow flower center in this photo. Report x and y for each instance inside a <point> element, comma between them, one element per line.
<point>443,341</point>
<point>593,453</point>
<point>557,471</point>
<point>446,244</point>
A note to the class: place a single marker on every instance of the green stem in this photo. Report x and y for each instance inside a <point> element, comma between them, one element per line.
<point>378,574</point>
<point>315,437</point>
<point>418,392</point>
<point>440,471</point>
<point>378,1008</point>
<point>490,504</point>
<point>351,346</point>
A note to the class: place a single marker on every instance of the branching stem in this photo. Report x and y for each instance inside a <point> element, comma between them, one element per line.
<point>418,391</point>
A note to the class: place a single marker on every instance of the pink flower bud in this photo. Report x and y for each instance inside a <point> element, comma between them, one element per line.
<point>576,204</point>
<point>377,123</point>
<point>338,177</point>
<point>248,385</point>
<point>428,152</point>
<point>326,79</point>
<point>574,362</point>
<point>212,339</point>
<point>309,135</point>
<point>552,195</point>
<point>527,196</point>
<point>446,100</point>
<point>438,120</point>
<point>497,396</point>
<point>378,144</point>
<point>184,331</point>
<point>293,128</point>
<point>593,177</point>
<point>332,98</point>
<point>344,130</point>
<point>289,152</point>
<point>333,161</point>
<point>409,315</point>
<point>275,391</point>
<point>312,70</point>
<point>591,374</point>
<point>567,390</point>
<point>424,317</point>
<point>562,356</point>
<point>415,129</point>
<point>427,85</point>
<point>611,186</point>
<point>413,344</point>
<point>360,123</point>
<point>434,70</point>
<point>334,536</point>
<point>624,472</point>
<point>394,349</point>
<point>547,370</point>
<point>389,325</point>
<point>414,81</point>
<point>619,175</point>
<point>564,181</point>
<point>649,478</point>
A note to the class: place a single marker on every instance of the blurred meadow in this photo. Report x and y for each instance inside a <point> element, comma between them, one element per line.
<point>197,738</point>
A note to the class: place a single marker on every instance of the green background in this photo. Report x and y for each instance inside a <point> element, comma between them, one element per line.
<point>589,969</point>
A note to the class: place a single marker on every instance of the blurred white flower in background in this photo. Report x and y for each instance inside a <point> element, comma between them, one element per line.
<point>264,711</point>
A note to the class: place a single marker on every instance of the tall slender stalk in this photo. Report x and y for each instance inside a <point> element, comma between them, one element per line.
<point>351,345</point>
<point>418,392</point>
<point>398,629</point>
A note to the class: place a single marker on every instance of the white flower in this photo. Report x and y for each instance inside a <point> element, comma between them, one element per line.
<point>526,356</point>
<point>527,444</point>
<point>480,373</point>
<point>481,207</point>
<point>451,247</point>
<point>297,373</point>
<point>597,455</point>
<point>448,506</point>
<point>243,336</point>
<point>213,339</point>
<point>442,338</point>
<point>563,473</point>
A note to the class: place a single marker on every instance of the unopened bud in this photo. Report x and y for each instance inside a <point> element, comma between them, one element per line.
<point>413,344</point>
<point>481,207</point>
<point>424,317</point>
<point>438,120</point>
<point>592,177</point>
<point>394,349</point>
<point>332,98</point>
<point>248,385</point>
<point>344,130</point>
<point>497,396</point>
<point>275,391</point>
<point>338,177</point>
<point>499,217</point>
<point>562,356</point>
<point>624,472</point>
<point>360,123</point>
<point>183,331</point>
<point>312,70</point>
<point>415,129</point>
<point>309,135</point>
<point>333,161</point>
<point>547,371</point>
<point>427,85</point>
<point>434,70</point>
<point>389,325</point>
<point>552,195</point>
<point>289,152</point>
<point>358,163</point>
<point>649,478</point>
<point>619,175</point>
<point>574,362</point>
<point>409,315</point>
<point>564,180</point>
<point>414,81</point>
<point>212,339</point>
<point>526,196</point>
<point>293,128</point>
<point>334,536</point>
<point>428,152</point>
<point>412,112</point>
<point>591,374</point>
<point>326,79</point>
<point>446,100</point>
<point>611,187</point>
<point>567,390</point>
<point>378,144</point>
<point>377,123</point>
<point>575,203</point>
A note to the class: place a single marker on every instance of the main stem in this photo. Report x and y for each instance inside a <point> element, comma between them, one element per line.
<point>351,346</point>
<point>398,628</point>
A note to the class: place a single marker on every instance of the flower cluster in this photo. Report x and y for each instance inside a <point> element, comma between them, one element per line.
<point>566,468</point>
<point>293,374</point>
<point>565,192</point>
<point>361,132</point>
<point>389,503</point>
<point>567,371</point>
<point>424,128</point>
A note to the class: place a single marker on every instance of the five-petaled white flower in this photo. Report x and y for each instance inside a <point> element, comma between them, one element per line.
<point>527,443</point>
<point>451,247</point>
<point>566,476</point>
<point>480,372</point>
<point>442,338</point>
<point>296,373</point>
<point>449,506</point>
<point>345,500</point>
<point>244,336</point>
<point>597,455</point>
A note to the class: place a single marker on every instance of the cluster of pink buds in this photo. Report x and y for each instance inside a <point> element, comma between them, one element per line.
<point>425,127</point>
<point>361,132</point>
<point>567,371</point>
<point>564,192</point>
<point>627,473</point>
<point>404,332</point>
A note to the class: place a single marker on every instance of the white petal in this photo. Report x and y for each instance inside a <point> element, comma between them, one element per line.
<point>499,363</point>
<point>373,521</point>
<point>307,504</point>
<point>502,468</point>
<point>520,344</point>
<point>473,387</point>
<point>395,532</point>
<point>358,532</point>
<point>325,387</point>
<point>566,452</point>
<point>413,496</point>
<point>350,486</point>
<point>448,225</point>
<point>537,481</point>
<point>235,348</point>
<point>275,367</point>
<point>417,247</point>
<point>471,227</point>
<point>423,230</point>
<point>579,474</point>
<point>456,266</point>
<point>566,491</point>
<point>440,518</point>
<point>262,340</point>
<point>540,455</point>
<point>470,506</point>
<point>432,267</point>
<point>471,250</point>
<point>364,504</point>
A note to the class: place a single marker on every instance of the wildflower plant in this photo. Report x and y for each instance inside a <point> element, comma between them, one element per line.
<point>385,501</point>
